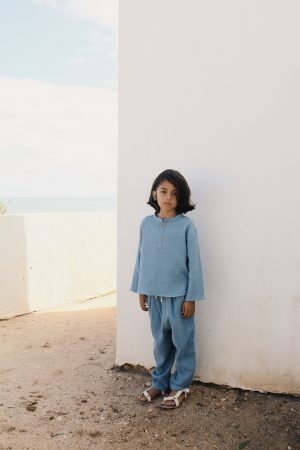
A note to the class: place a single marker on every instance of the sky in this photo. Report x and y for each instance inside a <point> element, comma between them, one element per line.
<point>58,98</point>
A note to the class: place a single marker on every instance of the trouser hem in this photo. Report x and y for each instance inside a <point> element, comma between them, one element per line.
<point>160,388</point>
<point>175,387</point>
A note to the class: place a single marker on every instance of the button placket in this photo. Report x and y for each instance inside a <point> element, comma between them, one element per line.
<point>161,234</point>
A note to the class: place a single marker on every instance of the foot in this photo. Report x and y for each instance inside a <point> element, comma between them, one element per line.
<point>168,402</point>
<point>152,392</point>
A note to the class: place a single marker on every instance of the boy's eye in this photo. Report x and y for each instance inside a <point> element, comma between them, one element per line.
<point>173,193</point>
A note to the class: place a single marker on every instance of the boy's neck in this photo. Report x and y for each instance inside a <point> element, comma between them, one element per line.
<point>166,215</point>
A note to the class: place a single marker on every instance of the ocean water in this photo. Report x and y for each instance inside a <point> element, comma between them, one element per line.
<point>21,205</point>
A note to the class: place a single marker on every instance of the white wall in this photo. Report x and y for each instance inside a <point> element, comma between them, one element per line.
<point>211,88</point>
<point>51,259</point>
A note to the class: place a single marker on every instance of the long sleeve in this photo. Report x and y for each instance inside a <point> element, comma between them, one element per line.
<point>195,290</point>
<point>135,277</point>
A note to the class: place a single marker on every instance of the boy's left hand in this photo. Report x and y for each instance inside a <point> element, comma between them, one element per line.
<point>188,309</point>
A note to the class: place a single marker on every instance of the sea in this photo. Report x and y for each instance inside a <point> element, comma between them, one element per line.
<point>27,205</point>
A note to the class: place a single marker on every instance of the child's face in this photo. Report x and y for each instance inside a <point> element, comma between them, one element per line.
<point>166,196</point>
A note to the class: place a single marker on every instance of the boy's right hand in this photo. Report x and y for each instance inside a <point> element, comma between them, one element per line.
<point>143,302</point>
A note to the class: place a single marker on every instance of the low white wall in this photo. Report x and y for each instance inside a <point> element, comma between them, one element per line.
<point>51,259</point>
<point>212,89</point>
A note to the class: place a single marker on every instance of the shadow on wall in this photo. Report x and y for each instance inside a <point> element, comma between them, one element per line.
<point>13,267</point>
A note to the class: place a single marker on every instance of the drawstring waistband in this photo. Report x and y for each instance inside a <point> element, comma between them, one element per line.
<point>161,298</point>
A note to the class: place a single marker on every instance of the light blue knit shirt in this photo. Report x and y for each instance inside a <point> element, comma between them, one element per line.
<point>168,259</point>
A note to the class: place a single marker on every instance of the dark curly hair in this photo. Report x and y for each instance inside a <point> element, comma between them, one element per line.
<point>183,191</point>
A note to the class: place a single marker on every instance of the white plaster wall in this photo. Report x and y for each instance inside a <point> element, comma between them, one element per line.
<point>51,259</point>
<point>211,88</point>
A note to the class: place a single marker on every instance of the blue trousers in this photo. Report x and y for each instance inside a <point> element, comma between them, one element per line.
<point>174,341</point>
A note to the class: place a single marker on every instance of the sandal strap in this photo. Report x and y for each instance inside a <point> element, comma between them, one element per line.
<point>177,395</point>
<point>186,392</point>
<point>174,399</point>
<point>145,393</point>
<point>148,397</point>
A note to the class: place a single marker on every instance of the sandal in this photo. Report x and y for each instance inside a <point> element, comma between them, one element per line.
<point>148,397</point>
<point>174,398</point>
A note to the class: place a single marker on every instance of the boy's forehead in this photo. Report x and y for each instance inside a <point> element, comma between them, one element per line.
<point>167,185</point>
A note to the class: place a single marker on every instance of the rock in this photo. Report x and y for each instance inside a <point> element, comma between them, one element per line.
<point>94,433</point>
<point>31,407</point>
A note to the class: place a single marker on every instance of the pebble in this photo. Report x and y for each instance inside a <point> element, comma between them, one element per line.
<point>94,433</point>
<point>31,408</point>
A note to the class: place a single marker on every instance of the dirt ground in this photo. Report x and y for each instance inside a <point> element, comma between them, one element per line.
<point>59,390</point>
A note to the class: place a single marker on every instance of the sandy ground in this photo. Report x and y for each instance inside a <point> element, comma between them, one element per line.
<point>59,390</point>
